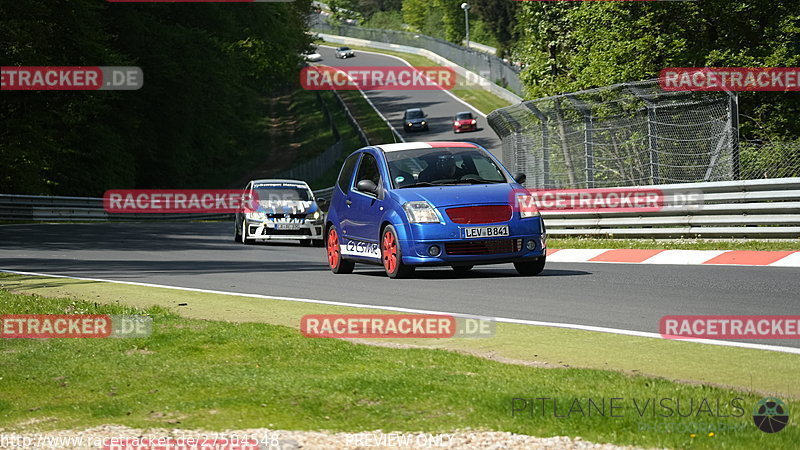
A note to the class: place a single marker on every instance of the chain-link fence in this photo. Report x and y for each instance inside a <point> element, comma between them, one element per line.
<point>622,135</point>
<point>483,64</point>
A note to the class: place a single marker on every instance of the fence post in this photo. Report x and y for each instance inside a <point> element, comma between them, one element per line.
<point>588,144</point>
<point>545,144</point>
<point>733,110</point>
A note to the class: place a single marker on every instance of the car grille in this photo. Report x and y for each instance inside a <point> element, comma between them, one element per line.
<point>283,216</point>
<point>273,232</point>
<point>483,247</point>
<point>480,214</point>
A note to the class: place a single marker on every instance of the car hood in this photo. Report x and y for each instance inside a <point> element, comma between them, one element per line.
<point>422,119</point>
<point>445,196</point>
<point>286,207</point>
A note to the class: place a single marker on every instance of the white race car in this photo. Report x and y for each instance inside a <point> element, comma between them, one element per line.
<point>313,57</point>
<point>279,209</point>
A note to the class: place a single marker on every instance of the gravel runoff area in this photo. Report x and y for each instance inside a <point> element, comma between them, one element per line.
<point>266,439</point>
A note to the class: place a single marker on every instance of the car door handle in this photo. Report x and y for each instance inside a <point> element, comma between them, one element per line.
<point>348,202</point>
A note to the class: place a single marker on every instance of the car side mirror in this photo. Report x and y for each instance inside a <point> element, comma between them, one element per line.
<point>520,177</point>
<point>367,186</point>
<point>322,203</point>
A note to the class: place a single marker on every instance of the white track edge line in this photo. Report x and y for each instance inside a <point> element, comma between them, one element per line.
<point>455,97</point>
<point>774,348</point>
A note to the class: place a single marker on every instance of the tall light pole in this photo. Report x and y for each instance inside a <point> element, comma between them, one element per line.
<point>465,7</point>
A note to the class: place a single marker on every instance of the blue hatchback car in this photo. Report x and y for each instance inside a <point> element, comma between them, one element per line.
<point>431,204</point>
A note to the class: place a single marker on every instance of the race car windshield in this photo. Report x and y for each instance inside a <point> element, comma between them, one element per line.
<point>282,193</point>
<point>442,166</point>
<point>463,116</point>
<point>344,49</point>
<point>416,114</point>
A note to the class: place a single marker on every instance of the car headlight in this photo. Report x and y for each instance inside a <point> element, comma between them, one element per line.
<point>474,121</point>
<point>420,212</point>
<point>316,216</point>
<point>456,123</point>
<point>527,206</point>
<point>256,215</point>
<point>423,122</point>
<point>409,124</point>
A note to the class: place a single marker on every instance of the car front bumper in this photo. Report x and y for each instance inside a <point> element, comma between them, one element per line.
<point>527,240</point>
<point>268,230</point>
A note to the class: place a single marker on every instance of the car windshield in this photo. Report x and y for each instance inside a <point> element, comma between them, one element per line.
<point>344,49</point>
<point>281,193</point>
<point>442,166</point>
<point>464,116</point>
<point>414,114</point>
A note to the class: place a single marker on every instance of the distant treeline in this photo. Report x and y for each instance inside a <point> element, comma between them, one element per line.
<point>208,69</point>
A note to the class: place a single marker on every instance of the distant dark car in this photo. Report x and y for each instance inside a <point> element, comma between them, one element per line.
<point>414,119</point>
<point>344,52</point>
<point>464,121</point>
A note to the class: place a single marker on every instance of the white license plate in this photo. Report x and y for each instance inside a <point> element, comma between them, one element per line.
<point>483,232</point>
<point>287,226</point>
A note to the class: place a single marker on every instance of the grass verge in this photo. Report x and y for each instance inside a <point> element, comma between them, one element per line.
<point>675,244</point>
<point>481,99</point>
<point>220,375</point>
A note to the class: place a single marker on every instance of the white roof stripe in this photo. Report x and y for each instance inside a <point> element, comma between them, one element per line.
<point>403,146</point>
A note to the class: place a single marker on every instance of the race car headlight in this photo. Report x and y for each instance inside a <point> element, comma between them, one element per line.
<point>255,215</point>
<point>423,122</point>
<point>420,212</point>
<point>316,216</point>
<point>456,123</point>
<point>474,122</point>
<point>526,205</point>
<point>409,123</point>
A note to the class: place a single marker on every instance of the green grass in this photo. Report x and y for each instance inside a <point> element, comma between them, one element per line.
<point>377,131</point>
<point>217,375</point>
<point>484,101</point>
<point>675,244</point>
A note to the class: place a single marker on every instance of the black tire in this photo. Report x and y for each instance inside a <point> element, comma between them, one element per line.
<point>530,268</point>
<point>318,242</point>
<point>335,261</point>
<point>243,236</point>
<point>236,235</point>
<point>462,269</point>
<point>392,256</point>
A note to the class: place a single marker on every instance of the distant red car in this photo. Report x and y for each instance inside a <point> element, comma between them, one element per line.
<point>464,121</point>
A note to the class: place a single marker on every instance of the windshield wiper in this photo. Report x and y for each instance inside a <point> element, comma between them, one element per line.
<point>480,181</point>
<point>429,183</point>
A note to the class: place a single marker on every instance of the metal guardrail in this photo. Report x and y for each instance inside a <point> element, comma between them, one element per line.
<point>32,208</point>
<point>767,208</point>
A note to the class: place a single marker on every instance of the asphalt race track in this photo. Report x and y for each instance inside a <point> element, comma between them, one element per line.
<point>203,255</point>
<point>439,105</point>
